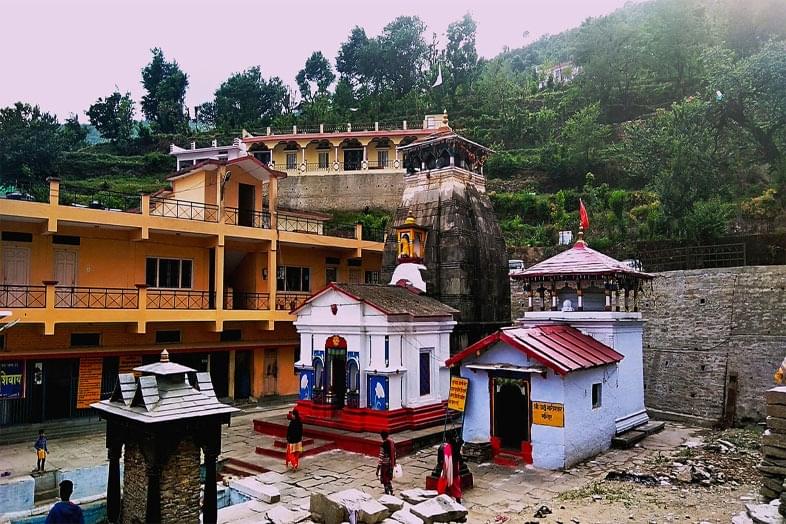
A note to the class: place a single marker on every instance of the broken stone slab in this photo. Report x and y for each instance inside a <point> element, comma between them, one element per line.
<point>741,518</point>
<point>284,515</point>
<point>251,487</point>
<point>406,517</point>
<point>417,495</point>
<point>764,513</point>
<point>683,474</point>
<point>440,509</point>
<point>776,395</point>
<point>372,512</point>
<point>391,502</point>
<point>777,425</point>
<point>335,507</point>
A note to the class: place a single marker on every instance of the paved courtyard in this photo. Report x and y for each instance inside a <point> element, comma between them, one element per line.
<point>500,495</point>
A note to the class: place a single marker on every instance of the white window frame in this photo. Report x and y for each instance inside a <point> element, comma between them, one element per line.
<point>179,276</point>
<point>430,353</point>
<point>291,155</point>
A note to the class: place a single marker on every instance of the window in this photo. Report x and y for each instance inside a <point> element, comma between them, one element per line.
<point>354,376</point>
<point>231,335</point>
<point>168,336</point>
<point>382,158</point>
<point>372,277</point>
<point>425,372</point>
<point>319,370</point>
<point>168,273</point>
<point>294,279</point>
<point>597,395</point>
<point>65,240</point>
<point>387,350</point>
<point>291,160</point>
<point>354,275</point>
<point>323,159</point>
<point>2,342</point>
<point>85,339</point>
<point>331,274</point>
<point>13,236</point>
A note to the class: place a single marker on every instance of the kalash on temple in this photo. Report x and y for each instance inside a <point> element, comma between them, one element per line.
<point>556,388</point>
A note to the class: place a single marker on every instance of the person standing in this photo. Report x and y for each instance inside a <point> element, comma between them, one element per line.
<point>294,440</point>
<point>387,461</point>
<point>41,450</point>
<point>65,511</point>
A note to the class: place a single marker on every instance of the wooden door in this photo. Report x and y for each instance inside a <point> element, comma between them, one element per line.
<point>65,267</point>
<point>245,204</point>
<point>271,372</point>
<point>16,265</point>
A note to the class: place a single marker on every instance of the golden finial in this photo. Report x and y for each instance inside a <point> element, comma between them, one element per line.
<point>165,356</point>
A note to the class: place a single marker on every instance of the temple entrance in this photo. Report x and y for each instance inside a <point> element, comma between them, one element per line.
<point>335,367</point>
<point>510,411</point>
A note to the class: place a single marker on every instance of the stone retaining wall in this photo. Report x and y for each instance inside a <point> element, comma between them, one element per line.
<point>342,192</point>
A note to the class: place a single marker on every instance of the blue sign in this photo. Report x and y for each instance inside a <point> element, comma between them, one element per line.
<point>12,379</point>
<point>306,384</point>
<point>378,393</point>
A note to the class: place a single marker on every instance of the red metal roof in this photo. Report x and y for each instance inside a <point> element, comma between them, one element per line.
<point>560,347</point>
<point>580,260</point>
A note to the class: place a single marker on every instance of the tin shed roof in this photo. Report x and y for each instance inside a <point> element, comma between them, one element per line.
<point>560,347</point>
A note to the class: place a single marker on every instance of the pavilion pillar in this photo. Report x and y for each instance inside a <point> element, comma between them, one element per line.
<point>617,299</point>
<point>579,295</point>
<point>554,296</point>
<point>627,293</point>
<point>635,299</point>
<point>113,484</point>
<point>212,449</point>
<point>607,292</point>
<point>153,511</point>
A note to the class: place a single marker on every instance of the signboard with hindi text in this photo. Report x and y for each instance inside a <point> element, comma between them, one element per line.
<point>457,399</point>
<point>548,414</point>
<point>89,389</point>
<point>12,379</point>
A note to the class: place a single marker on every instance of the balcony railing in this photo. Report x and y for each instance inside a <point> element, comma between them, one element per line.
<point>247,217</point>
<point>12,296</point>
<point>97,198</point>
<point>333,229</point>
<point>392,125</point>
<point>96,298</point>
<point>332,166</point>
<point>374,234</point>
<point>180,299</point>
<point>168,207</point>
<point>248,301</point>
<point>290,301</point>
<point>300,225</point>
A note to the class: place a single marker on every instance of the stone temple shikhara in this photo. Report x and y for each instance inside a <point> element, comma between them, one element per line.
<point>556,388</point>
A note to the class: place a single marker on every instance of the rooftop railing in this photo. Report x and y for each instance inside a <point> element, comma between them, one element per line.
<point>350,127</point>
<point>98,198</point>
<point>246,217</point>
<point>171,208</point>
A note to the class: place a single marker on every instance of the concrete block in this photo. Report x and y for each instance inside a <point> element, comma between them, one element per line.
<point>251,487</point>
<point>17,494</point>
<point>406,517</point>
<point>88,481</point>
<point>417,495</point>
<point>391,502</point>
<point>372,512</point>
<point>283,515</point>
<point>440,509</point>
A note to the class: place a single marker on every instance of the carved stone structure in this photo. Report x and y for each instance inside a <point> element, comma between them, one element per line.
<point>164,419</point>
<point>465,256</point>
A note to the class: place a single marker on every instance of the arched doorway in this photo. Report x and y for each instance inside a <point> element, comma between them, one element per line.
<point>511,412</point>
<point>336,370</point>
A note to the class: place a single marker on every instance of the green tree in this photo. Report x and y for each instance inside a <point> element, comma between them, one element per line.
<point>73,133</point>
<point>164,103</point>
<point>113,117</point>
<point>315,78</point>
<point>247,100</point>
<point>584,136</point>
<point>403,52</point>
<point>355,58</point>
<point>30,144</point>
<point>460,51</point>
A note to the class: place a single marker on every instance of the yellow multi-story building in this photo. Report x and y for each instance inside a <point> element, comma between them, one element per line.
<point>210,269</point>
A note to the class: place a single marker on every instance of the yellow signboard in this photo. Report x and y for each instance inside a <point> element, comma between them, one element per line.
<point>457,399</point>
<point>548,414</point>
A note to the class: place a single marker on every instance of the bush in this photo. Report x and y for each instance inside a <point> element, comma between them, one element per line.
<point>706,220</point>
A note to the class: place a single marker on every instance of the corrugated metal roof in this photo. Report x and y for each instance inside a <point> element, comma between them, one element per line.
<point>580,260</point>
<point>560,347</point>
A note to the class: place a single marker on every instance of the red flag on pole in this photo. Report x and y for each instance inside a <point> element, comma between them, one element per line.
<point>583,216</point>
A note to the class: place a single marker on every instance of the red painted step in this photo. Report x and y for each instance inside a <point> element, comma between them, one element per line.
<point>273,449</point>
<point>282,443</point>
<point>503,458</point>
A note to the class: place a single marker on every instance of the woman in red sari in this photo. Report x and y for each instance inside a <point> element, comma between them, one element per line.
<point>450,478</point>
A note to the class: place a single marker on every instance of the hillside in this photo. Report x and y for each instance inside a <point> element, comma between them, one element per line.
<point>668,118</point>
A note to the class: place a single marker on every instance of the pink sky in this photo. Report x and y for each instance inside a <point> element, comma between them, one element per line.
<point>63,55</point>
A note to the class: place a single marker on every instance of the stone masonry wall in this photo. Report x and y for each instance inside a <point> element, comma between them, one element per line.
<point>342,192</point>
<point>134,484</point>
<point>701,327</point>
<point>180,487</point>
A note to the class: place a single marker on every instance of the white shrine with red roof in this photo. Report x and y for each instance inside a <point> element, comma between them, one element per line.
<point>557,387</point>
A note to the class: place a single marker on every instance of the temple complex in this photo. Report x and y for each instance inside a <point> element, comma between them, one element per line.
<point>569,376</point>
<point>445,197</point>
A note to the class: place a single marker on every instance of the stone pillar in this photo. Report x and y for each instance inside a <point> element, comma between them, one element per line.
<point>153,510</point>
<point>211,448</point>
<point>113,484</point>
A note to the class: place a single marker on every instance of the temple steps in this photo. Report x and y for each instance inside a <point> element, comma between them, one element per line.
<point>241,468</point>
<point>630,438</point>
<point>509,459</point>
<point>276,447</point>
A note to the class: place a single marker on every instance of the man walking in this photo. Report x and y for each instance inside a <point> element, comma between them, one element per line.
<point>41,450</point>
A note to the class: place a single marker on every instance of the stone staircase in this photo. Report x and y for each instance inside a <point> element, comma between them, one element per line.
<point>241,468</point>
<point>277,447</point>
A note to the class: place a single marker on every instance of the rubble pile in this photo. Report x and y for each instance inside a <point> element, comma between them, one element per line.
<point>773,447</point>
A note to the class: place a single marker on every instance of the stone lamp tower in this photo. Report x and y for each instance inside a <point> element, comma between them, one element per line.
<point>445,227</point>
<point>164,418</point>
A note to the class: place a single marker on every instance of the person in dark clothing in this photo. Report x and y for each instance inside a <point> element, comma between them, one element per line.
<point>294,440</point>
<point>65,511</point>
<point>386,463</point>
<point>41,450</point>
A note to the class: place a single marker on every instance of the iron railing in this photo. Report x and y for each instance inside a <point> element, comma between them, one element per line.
<point>12,296</point>
<point>180,299</point>
<point>96,298</point>
<point>290,301</point>
<point>693,257</point>
<point>339,230</point>
<point>97,198</point>
<point>246,217</point>
<point>300,225</point>
<point>374,234</point>
<point>385,164</point>
<point>249,301</point>
<point>171,208</point>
